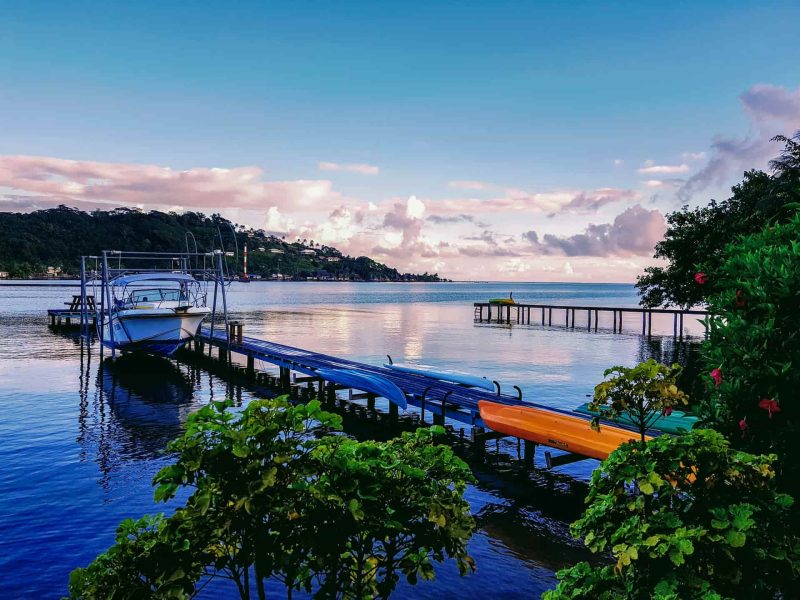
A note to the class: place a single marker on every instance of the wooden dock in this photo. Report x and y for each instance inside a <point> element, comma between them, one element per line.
<point>443,400</point>
<point>542,314</point>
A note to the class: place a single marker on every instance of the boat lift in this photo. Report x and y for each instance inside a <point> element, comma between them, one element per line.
<point>99,272</point>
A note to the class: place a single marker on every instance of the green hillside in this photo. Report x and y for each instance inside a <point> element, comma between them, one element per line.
<point>32,242</point>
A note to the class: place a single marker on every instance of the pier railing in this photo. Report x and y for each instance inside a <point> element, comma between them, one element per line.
<point>542,314</point>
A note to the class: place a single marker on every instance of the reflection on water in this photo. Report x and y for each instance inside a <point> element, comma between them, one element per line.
<point>82,438</point>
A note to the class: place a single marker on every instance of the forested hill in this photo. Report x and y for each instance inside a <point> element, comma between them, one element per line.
<point>32,242</point>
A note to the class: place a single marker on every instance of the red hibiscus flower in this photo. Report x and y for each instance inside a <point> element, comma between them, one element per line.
<point>716,375</point>
<point>743,424</point>
<point>701,278</point>
<point>741,301</point>
<point>667,411</point>
<point>769,405</point>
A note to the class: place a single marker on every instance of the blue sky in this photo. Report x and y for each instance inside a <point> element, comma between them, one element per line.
<point>540,97</point>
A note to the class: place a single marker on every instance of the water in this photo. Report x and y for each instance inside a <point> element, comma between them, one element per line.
<point>79,445</point>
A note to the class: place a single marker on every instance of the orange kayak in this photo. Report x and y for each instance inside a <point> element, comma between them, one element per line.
<point>555,429</point>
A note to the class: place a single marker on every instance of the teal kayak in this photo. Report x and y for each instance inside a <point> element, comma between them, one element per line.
<point>677,422</point>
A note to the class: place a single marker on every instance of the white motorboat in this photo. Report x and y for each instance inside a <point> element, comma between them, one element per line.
<point>156,313</point>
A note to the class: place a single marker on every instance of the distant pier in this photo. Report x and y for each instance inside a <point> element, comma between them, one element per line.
<point>542,314</point>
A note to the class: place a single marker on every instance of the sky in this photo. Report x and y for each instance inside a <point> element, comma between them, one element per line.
<point>531,141</point>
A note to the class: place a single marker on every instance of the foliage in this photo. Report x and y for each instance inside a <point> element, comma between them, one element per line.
<point>643,393</point>
<point>321,513</point>
<point>30,242</point>
<point>752,356</point>
<point>696,239</point>
<point>685,517</point>
<point>135,566</point>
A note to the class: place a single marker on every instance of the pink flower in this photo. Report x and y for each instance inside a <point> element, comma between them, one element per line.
<point>716,375</point>
<point>667,411</point>
<point>743,424</point>
<point>701,278</point>
<point>769,405</point>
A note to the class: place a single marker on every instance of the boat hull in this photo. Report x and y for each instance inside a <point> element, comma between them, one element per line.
<point>554,429</point>
<point>154,331</point>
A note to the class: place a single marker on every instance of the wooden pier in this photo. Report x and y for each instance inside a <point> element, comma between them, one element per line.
<point>443,400</point>
<point>542,314</point>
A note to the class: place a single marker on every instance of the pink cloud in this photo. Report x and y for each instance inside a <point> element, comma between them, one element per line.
<point>634,232</point>
<point>361,168</point>
<point>651,169</point>
<point>772,110</point>
<point>518,200</point>
<point>89,182</point>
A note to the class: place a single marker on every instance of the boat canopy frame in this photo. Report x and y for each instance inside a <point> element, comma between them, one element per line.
<point>113,270</point>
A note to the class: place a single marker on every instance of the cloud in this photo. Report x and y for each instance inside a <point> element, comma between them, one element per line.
<point>650,169</point>
<point>772,110</point>
<point>693,155</point>
<point>88,183</point>
<point>518,200</point>
<point>468,185</point>
<point>618,162</point>
<point>634,232</point>
<point>362,168</point>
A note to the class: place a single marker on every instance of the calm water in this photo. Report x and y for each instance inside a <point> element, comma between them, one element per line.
<point>79,444</point>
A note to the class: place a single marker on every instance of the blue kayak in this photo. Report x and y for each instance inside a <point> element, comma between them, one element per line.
<point>443,375</point>
<point>367,382</point>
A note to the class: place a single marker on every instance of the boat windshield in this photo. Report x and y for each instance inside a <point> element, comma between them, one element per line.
<point>157,295</point>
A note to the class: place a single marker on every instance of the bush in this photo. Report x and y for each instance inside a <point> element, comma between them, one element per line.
<point>685,517</point>
<point>642,393</point>
<point>321,513</point>
<point>752,355</point>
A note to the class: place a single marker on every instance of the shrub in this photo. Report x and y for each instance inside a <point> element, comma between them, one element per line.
<point>685,517</point>
<point>752,356</point>
<point>321,513</point>
<point>642,393</point>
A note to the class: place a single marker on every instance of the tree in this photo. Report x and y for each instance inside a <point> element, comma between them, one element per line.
<point>696,239</point>
<point>273,497</point>
<point>685,517</point>
<point>643,393</point>
<point>752,356</point>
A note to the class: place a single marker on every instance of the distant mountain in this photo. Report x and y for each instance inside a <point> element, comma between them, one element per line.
<point>32,243</point>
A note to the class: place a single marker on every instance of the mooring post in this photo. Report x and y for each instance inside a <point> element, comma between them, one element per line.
<point>615,320</point>
<point>478,442</point>
<point>566,319</point>
<point>620,321</point>
<point>596,318</point>
<point>674,324</point>
<point>649,323</point>
<point>529,449</point>
<point>251,365</point>
<point>644,322</point>
<point>550,316</point>
<point>573,318</point>
<point>239,332</point>
<point>543,315</point>
<point>681,326</point>
<point>589,319</point>
<point>284,378</point>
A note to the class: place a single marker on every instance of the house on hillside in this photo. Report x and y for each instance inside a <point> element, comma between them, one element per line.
<point>308,252</point>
